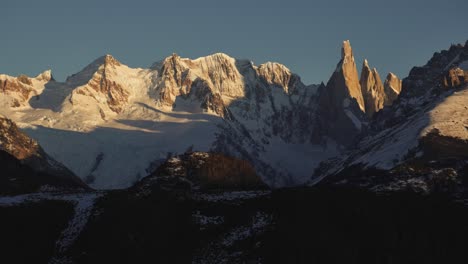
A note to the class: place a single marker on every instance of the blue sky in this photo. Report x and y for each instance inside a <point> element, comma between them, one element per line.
<point>306,36</point>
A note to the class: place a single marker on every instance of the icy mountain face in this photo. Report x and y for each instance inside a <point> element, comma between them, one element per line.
<point>105,85</point>
<point>16,91</point>
<point>102,87</point>
<point>263,108</point>
<point>212,81</point>
<point>422,133</point>
<point>218,81</point>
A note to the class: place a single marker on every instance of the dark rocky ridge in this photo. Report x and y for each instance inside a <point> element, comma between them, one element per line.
<point>207,171</point>
<point>26,167</point>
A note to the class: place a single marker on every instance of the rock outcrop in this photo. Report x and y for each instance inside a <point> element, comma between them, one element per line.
<point>207,171</point>
<point>18,90</point>
<point>174,80</point>
<point>455,77</point>
<point>347,75</point>
<point>392,88</point>
<point>372,89</point>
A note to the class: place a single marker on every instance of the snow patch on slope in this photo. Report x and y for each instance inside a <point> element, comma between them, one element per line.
<point>357,123</point>
<point>83,209</point>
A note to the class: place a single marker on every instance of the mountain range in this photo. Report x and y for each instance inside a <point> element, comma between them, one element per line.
<point>111,124</point>
<point>217,160</point>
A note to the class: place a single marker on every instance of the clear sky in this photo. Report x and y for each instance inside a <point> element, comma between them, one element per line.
<point>305,35</point>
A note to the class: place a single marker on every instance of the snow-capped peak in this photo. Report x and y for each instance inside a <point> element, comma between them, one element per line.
<point>45,76</point>
<point>276,74</point>
<point>87,73</point>
<point>110,60</point>
<point>216,56</point>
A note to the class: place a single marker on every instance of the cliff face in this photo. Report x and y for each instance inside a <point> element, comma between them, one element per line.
<point>217,81</point>
<point>349,73</point>
<point>368,92</point>
<point>341,104</point>
<point>372,89</point>
<point>97,82</point>
<point>455,77</point>
<point>392,87</point>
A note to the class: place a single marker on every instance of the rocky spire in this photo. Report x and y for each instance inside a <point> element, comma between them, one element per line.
<point>392,88</point>
<point>347,68</point>
<point>344,83</point>
<point>341,104</point>
<point>372,89</point>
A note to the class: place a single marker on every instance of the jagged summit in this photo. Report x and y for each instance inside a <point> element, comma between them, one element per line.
<point>372,89</point>
<point>346,50</point>
<point>45,76</point>
<point>174,57</point>
<point>392,88</point>
<point>341,104</point>
<point>365,64</point>
<point>347,77</point>
<point>275,72</point>
<point>16,91</point>
<point>87,72</point>
<point>107,60</point>
<point>217,56</point>
<point>391,75</point>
